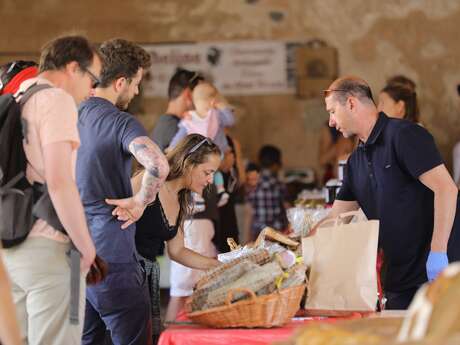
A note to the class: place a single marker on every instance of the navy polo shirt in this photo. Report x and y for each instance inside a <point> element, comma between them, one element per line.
<point>382,175</point>
<point>103,171</point>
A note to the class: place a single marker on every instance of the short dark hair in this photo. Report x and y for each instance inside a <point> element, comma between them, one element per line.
<point>252,167</point>
<point>269,155</point>
<point>355,87</point>
<point>57,53</point>
<point>181,80</point>
<point>121,58</point>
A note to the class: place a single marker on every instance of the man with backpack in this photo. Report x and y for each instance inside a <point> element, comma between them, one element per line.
<point>39,265</point>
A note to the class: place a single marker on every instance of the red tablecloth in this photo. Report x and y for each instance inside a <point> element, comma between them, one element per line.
<point>198,335</point>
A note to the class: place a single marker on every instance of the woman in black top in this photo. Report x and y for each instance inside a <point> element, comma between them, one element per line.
<point>192,165</point>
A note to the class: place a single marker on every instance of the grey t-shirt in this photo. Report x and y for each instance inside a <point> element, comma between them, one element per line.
<point>165,129</point>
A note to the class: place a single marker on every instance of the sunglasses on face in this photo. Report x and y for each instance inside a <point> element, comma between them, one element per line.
<point>95,80</point>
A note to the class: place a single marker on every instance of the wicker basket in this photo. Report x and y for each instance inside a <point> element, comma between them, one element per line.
<point>265,311</point>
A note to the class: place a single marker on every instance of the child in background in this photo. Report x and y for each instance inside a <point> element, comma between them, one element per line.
<point>267,198</point>
<point>211,115</point>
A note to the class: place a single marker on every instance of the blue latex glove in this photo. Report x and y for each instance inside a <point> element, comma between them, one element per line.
<point>435,263</point>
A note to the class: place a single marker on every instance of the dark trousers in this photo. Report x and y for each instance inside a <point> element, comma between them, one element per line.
<point>399,300</point>
<point>152,270</point>
<point>120,304</point>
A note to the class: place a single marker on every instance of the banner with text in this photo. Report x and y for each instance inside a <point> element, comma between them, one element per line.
<point>236,68</point>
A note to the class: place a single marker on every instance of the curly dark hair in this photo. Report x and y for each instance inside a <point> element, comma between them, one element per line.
<point>121,58</point>
<point>57,53</point>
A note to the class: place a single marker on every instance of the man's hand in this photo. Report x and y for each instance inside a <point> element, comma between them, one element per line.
<point>338,208</point>
<point>86,262</point>
<point>128,210</point>
<point>435,263</point>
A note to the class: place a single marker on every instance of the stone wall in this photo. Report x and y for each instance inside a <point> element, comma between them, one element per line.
<point>375,40</point>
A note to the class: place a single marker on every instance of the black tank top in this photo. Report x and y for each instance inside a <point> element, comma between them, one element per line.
<point>152,230</point>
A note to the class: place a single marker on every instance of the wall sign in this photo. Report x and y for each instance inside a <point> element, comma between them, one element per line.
<point>236,68</point>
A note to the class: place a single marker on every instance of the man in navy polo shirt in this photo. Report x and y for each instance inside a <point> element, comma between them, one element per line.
<point>396,175</point>
<point>110,138</point>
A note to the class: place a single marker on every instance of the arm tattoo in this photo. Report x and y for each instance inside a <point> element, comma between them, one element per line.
<point>156,167</point>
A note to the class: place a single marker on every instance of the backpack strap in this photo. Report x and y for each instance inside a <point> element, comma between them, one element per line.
<point>31,90</point>
<point>74,285</point>
<point>23,97</point>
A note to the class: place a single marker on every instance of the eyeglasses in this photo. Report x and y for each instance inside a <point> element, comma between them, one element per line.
<point>326,93</point>
<point>96,81</point>
<point>197,146</point>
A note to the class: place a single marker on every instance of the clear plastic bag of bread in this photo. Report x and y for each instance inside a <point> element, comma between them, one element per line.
<point>269,239</point>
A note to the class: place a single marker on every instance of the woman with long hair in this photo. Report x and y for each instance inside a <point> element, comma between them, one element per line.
<point>192,164</point>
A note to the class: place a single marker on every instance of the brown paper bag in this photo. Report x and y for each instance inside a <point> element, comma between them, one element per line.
<point>342,258</point>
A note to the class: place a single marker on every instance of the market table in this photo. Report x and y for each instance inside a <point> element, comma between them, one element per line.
<point>191,334</point>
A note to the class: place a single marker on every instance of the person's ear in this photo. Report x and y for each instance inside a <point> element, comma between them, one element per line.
<point>187,93</point>
<point>73,68</point>
<point>119,84</point>
<point>187,98</point>
<point>401,107</point>
<point>351,103</point>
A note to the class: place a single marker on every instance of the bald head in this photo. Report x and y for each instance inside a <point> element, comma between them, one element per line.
<point>347,86</point>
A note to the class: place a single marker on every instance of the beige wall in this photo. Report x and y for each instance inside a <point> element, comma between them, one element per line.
<point>375,40</point>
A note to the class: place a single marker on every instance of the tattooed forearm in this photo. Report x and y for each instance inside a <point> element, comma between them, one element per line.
<point>156,167</point>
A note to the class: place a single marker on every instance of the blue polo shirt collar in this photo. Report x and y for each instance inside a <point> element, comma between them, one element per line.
<point>380,124</point>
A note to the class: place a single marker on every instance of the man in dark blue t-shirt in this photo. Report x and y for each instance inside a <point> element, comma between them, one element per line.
<point>396,175</point>
<point>110,138</point>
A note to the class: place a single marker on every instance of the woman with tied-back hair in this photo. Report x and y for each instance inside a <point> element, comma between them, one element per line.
<point>399,101</point>
<point>192,163</point>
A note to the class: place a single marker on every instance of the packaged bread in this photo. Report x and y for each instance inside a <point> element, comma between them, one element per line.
<point>381,330</point>
<point>435,310</point>
<point>332,335</point>
<point>259,256</point>
<point>225,277</point>
<point>296,275</point>
<point>274,235</point>
<point>254,280</point>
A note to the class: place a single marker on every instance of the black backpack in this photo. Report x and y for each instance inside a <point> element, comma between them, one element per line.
<point>20,202</point>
